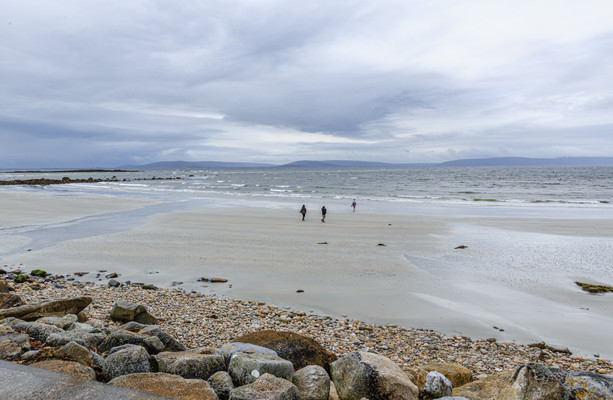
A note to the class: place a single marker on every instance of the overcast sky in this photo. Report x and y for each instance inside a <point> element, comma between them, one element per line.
<point>107,83</point>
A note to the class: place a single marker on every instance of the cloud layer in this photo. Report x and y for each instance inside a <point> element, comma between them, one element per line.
<point>105,83</point>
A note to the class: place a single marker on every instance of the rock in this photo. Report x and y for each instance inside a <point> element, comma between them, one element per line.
<point>38,272</point>
<point>61,322</point>
<point>170,343</point>
<point>36,330</point>
<point>333,393</point>
<point>125,360</point>
<point>533,382</point>
<point>369,375</point>
<point>126,312</point>
<point>190,364</point>
<point>132,326</point>
<point>267,387</point>
<point>246,368</point>
<point>7,299</point>
<point>228,349</point>
<point>112,275</point>
<point>114,283</point>
<point>12,344</point>
<point>75,352</point>
<point>437,385</point>
<point>75,369</point>
<point>120,337</point>
<point>300,350</point>
<point>483,389</point>
<point>81,337</point>
<point>166,385</point>
<point>312,382</point>
<point>221,383</point>
<point>585,385</point>
<point>52,308</point>
<point>149,287</point>
<point>457,374</point>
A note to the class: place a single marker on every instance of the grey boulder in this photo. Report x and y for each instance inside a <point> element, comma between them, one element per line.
<point>120,337</point>
<point>170,343</point>
<point>190,364</point>
<point>126,312</point>
<point>533,382</point>
<point>267,387</point>
<point>221,383</point>
<point>12,344</point>
<point>75,352</point>
<point>313,383</point>
<point>437,385</point>
<point>229,349</point>
<point>247,368</point>
<point>125,360</point>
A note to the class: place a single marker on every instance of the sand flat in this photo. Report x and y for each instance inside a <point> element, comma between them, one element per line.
<point>516,274</point>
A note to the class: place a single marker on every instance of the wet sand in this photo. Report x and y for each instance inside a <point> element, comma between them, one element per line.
<point>516,274</point>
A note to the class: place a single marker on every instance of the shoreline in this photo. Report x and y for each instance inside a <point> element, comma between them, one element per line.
<point>418,279</point>
<point>198,320</point>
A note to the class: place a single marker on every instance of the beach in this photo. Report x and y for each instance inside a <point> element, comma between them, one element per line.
<point>513,280</point>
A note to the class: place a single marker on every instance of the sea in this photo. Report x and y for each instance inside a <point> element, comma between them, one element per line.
<point>375,189</point>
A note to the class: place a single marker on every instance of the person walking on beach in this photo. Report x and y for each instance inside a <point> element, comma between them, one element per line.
<point>303,211</point>
<point>353,204</point>
<point>323,214</point>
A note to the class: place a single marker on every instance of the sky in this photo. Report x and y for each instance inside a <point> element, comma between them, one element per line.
<point>88,83</point>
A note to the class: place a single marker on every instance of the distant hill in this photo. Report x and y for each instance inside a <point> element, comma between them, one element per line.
<point>197,165</point>
<point>530,162</point>
<point>474,162</point>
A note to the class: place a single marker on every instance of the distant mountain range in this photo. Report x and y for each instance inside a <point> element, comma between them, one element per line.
<point>474,162</point>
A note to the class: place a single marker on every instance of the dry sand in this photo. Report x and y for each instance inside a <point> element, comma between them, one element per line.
<point>516,274</point>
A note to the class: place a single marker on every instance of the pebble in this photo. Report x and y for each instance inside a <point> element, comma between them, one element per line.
<point>187,317</point>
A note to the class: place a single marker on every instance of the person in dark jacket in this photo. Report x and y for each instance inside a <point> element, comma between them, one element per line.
<point>323,214</point>
<point>303,211</point>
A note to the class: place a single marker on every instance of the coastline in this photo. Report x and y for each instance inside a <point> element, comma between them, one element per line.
<point>417,280</point>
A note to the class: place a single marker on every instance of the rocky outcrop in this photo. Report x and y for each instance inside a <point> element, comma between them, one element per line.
<point>533,382</point>
<point>367,375</point>
<point>585,385</point>
<point>312,382</point>
<point>125,312</point>
<point>267,387</point>
<point>52,308</point>
<point>121,337</point>
<point>166,385</point>
<point>247,368</point>
<point>300,350</point>
<point>36,330</point>
<point>73,351</point>
<point>81,337</point>
<point>229,349</point>
<point>125,360</point>
<point>190,364</point>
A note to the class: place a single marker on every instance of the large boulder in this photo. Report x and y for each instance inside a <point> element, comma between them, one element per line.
<point>61,322</point>
<point>457,374</point>
<point>81,337</point>
<point>246,368</point>
<point>120,337</point>
<point>125,360</point>
<point>483,389</point>
<point>170,343</point>
<point>12,344</point>
<point>300,350</point>
<point>125,312</point>
<point>73,351</point>
<point>51,308</point>
<point>312,382</point>
<point>7,299</point>
<point>190,364</point>
<point>366,375</point>
<point>221,383</point>
<point>533,382</point>
<point>267,387</point>
<point>166,385</point>
<point>585,385</point>
<point>229,349</point>
<point>75,369</point>
<point>437,385</point>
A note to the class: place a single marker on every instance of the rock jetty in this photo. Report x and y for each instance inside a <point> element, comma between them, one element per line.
<point>194,346</point>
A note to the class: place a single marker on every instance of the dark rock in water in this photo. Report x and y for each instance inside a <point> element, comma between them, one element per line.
<point>167,385</point>
<point>112,275</point>
<point>460,247</point>
<point>221,383</point>
<point>372,376</point>
<point>20,279</point>
<point>218,280</point>
<point>266,387</point>
<point>299,291</point>
<point>203,279</point>
<point>120,337</point>
<point>246,368</point>
<point>52,308</point>
<point>591,288</point>
<point>2,271</point>
<point>381,244</point>
<point>149,287</point>
<point>125,360</point>
<point>39,272</point>
<point>300,350</point>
